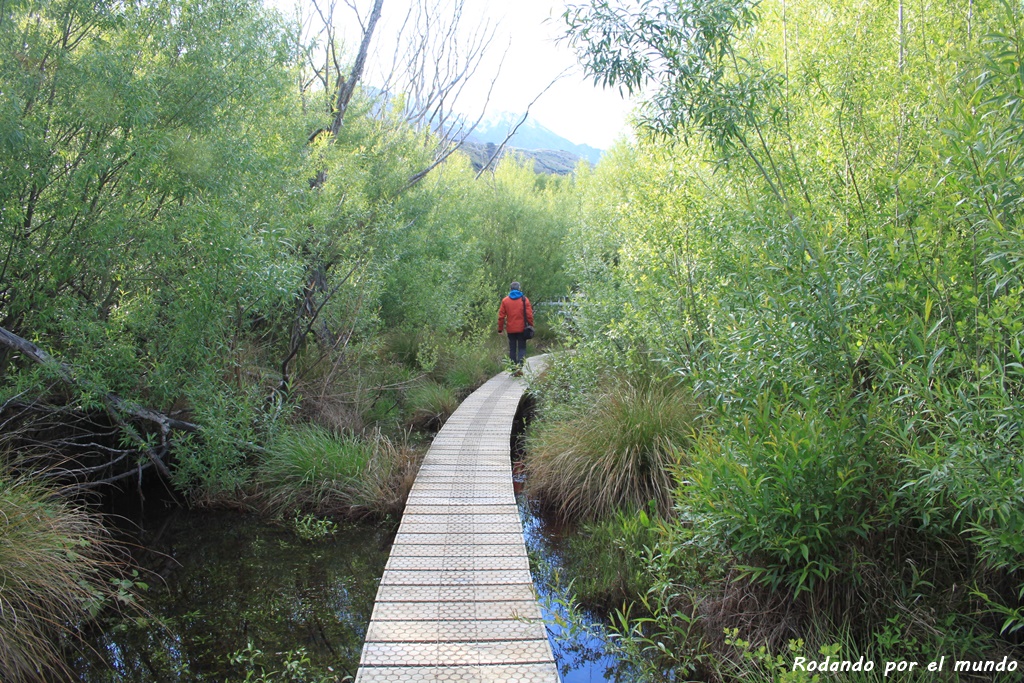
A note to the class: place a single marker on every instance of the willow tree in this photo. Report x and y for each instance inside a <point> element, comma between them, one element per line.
<point>136,236</point>
<point>819,231</point>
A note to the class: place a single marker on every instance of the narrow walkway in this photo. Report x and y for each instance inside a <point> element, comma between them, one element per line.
<point>457,602</point>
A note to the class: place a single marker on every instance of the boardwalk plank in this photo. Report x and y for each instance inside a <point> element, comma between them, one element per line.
<point>457,601</point>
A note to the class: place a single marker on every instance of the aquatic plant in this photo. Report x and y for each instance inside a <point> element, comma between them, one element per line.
<point>313,528</point>
<point>293,666</point>
<point>309,468</point>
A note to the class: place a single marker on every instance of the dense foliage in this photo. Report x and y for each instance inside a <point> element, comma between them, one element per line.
<point>162,236</point>
<point>818,232</point>
<point>207,281</point>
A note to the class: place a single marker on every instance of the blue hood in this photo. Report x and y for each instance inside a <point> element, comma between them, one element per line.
<point>515,294</point>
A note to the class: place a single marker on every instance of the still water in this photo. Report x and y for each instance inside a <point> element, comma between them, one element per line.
<point>232,595</point>
<point>578,640</point>
<point>228,586</point>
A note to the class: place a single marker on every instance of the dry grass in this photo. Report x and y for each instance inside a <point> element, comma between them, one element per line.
<point>389,476</point>
<point>54,564</point>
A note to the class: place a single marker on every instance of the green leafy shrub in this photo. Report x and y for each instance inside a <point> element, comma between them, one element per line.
<point>851,323</point>
<point>214,465</point>
<point>545,334</point>
<point>794,487</point>
<point>609,558</point>
<point>619,454</point>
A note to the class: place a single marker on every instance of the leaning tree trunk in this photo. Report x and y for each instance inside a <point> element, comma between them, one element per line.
<point>347,86</point>
<point>316,283</point>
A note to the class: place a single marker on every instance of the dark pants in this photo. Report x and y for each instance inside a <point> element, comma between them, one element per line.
<point>517,347</point>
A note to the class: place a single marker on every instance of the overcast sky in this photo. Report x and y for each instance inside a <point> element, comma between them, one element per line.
<point>574,107</point>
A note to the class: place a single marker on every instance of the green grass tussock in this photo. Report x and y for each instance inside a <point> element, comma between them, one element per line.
<point>429,404</point>
<point>473,364</point>
<point>619,454</point>
<point>54,564</point>
<point>312,469</point>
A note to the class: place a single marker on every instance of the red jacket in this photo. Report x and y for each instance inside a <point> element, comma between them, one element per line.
<point>510,314</point>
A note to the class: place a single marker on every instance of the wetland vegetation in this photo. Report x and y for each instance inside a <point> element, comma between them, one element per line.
<point>787,405</point>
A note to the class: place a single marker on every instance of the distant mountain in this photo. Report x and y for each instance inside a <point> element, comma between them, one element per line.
<point>550,161</point>
<point>551,153</point>
<point>531,136</point>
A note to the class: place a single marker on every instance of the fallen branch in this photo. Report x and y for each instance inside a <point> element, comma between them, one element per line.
<point>119,409</point>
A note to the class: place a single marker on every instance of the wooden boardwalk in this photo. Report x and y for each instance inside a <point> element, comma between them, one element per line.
<point>457,602</point>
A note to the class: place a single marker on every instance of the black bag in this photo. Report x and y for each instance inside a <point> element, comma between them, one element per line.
<point>528,331</point>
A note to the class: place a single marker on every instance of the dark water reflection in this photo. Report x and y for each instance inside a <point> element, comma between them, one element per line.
<point>222,582</point>
<point>225,582</point>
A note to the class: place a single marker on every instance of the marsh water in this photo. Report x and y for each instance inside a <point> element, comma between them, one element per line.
<point>231,595</point>
<point>578,640</point>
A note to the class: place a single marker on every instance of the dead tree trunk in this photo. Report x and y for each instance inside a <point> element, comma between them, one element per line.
<point>346,87</point>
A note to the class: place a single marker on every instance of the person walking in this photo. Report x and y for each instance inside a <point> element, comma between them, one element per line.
<point>515,317</point>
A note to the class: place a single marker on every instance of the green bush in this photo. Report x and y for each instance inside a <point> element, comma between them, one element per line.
<point>544,333</point>
<point>607,558</point>
<point>619,454</point>
<point>797,489</point>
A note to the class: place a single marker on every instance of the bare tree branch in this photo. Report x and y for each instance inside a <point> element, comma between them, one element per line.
<point>312,315</point>
<point>347,87</point>
<point>433,61</point>
<point>498,150</point>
